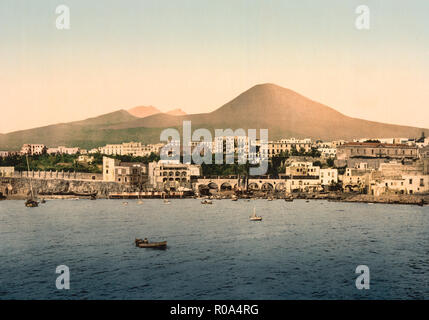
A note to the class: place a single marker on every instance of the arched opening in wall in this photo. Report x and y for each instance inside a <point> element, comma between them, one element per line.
<point>267,187</point>
<point>253,186</point>
<point>225,186</point>
<point>204,189</point>
<point>213,186</point>
<point>281,186</point>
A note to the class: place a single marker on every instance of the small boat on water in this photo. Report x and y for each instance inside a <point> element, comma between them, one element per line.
<point>125,203</point>
<point>206,202</point>
<point>30,203</point>
<point>43,201</point>
<point>166,201</point>
<point>234,199</point>
<point>146,244</point>
<point>254,217</point>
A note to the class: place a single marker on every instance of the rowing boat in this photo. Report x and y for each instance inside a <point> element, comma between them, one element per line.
<point>141,244</point>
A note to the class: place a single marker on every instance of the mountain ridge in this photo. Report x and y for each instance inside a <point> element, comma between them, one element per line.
<point>284,112</point>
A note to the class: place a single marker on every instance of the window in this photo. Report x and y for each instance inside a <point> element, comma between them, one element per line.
<point>411,181</point>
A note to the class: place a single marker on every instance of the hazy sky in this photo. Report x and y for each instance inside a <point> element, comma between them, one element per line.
<point>199,54</point>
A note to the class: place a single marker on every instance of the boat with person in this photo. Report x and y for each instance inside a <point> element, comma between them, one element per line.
<point>144,243</point>
<point>207,201</point>
<point>254,217</point>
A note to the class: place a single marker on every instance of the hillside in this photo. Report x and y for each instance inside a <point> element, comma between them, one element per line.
<point>284,112</point>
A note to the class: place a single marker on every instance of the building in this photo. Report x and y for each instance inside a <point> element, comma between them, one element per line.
<point>299,169</point>
<point>275,148</point>
<point>130,173</point>
<point>94,150</point>
<point>135,149</point>
<point>63,150</point>
<point>373,153</point>
<point>33,149</point>
<point>328,176</point>
<point>172,176</point>
<point>414,184</point>
<point>398,178</point>
<point>7,171</point>
<point>109,165</point>
<point>424,152</point>
<point>85,159</point>
<point>357,178</point>
<point>376,150</point>
<point>303,184</point>
<point>4,154</point>
<point>327,152</point>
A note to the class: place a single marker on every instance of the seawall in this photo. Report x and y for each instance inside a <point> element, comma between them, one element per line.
<point>19,188</point>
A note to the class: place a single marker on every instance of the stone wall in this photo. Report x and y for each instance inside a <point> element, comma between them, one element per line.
<point>19,188</point>
<point>58,175</point>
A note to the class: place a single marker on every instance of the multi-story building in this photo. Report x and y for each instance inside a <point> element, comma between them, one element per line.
<point>172,175</point>
<point>136,149</point>
<point>63,150</point>
<point>4,154</point>
<point>405,184</point>
<point>287,145</point>
<point>302,169</point>
<point>33,149</point>
<point>327,152</point>
<point>109,166</point>
<point>112,149</point>
<point>131,173</point>
<point>328,176</point>
<point>357,178</point>
<point>376,150</point>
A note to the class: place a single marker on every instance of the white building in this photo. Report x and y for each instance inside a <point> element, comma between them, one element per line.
<point>413,184</point>
<point>172,175</point>
<point>327,152</point>
<point>63,150</point>
<point>328,176</point>
<point>135,149</point>
<point>33,149</point>
<point>109,165</point>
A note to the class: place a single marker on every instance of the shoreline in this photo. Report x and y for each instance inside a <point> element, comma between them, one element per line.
<point>420,200</point>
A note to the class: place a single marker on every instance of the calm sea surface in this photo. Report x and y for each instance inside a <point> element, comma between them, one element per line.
<point>301,250</point>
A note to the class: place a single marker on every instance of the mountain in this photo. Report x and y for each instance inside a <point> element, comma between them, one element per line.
<point>142,111</point>
<point>86,133</point>
<point>284,112</point>
<point>176,112</point>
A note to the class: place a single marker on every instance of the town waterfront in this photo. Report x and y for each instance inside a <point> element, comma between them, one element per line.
<point>301,250</point>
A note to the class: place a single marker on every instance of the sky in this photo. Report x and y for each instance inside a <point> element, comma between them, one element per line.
<point>199,54</point>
